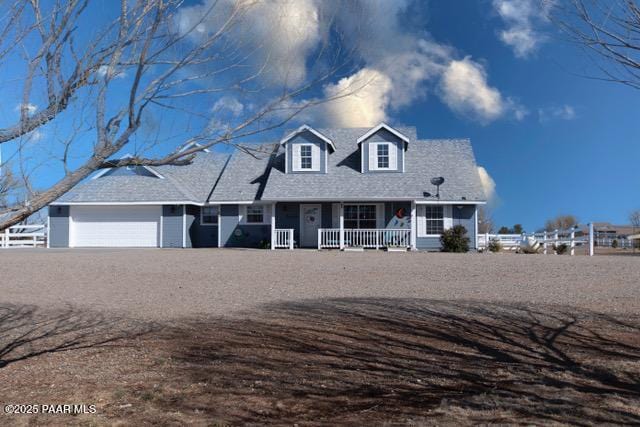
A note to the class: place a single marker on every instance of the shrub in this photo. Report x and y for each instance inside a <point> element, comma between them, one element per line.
<point>614,244</point>
<point>494,245</point>
<point>561,248</point>
<point>455,239</point>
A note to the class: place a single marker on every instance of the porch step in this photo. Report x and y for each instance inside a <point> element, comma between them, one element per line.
<point>353,249</point>
<point>396,249</point>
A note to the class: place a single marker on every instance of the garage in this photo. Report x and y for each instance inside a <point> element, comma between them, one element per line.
<point>114,226</point>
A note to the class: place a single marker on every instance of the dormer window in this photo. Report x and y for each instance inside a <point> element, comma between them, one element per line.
<point>306,157</point>
<point>383,156</point>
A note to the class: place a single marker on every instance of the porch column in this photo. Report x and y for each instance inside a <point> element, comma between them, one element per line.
<point>273,226</point>
<point>341,225</point>
<point>414,225</point>
<point>184,226</point>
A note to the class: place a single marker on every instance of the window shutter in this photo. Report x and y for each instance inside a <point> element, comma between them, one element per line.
<point>335,215</point>
<point>315,157</point>
<point>422,223</point>
<point>295,149</point>
<point>373,156</point>
<point>393,156</point>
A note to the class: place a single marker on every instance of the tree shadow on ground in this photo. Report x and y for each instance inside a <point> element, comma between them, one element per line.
<point>409,360</point>
<point>28,331</point>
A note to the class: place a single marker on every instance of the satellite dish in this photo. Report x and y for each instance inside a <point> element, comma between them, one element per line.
<point>437,181</point>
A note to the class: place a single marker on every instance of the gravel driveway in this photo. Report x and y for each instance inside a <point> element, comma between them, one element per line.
<point>168,284</point>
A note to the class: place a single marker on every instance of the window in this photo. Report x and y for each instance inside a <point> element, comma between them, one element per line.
<point>306,158</point>
<point>255,214</point>
<point>434,219</point>
<point>383,156</point>
<point>360,216</point>
<point>209,215</point>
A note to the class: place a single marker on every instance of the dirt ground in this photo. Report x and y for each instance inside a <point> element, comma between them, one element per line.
<point>397,355</point>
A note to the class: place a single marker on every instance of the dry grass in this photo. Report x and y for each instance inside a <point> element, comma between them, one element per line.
<point>328,361</point>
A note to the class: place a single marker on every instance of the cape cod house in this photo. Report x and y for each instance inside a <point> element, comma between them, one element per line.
<point>316,188</point>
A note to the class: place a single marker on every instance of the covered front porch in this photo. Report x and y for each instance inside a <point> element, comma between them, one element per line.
<point>344,225</point>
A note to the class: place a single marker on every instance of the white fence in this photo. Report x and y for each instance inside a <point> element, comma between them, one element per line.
<point>547,240</point>
<point>23,236</point>
<point>329,238</point>
<point>282,238</point>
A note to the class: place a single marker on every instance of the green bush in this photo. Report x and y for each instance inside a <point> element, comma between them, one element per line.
<point>561,248</point>
<point>494,245</point>
<point>614,244</point>
<point>455,239</point>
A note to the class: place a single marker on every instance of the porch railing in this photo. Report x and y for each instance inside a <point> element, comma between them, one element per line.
<point>329,238</point>
<point>282,238</point>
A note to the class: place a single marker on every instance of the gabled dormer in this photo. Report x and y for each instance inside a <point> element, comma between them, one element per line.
<point>131,170</point>
<point>306,151</point>
<point>382,149</point>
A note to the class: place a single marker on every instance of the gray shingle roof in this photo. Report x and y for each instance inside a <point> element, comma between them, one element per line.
<point>191,183</point>
<point>242,177</point>
<point>451,159</point>
<point>245,175</point>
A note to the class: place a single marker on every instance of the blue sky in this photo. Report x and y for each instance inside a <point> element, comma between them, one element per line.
<point>494,71</point>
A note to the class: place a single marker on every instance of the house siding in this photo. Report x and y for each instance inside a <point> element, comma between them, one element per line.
<point>58,226</point>
<point>233,234</point>
<point>200,236</point>
<point>306,138</point>
<point>382,135</point>
<point>464,215</point>
<point>288,216</point>
<point>172,226</point>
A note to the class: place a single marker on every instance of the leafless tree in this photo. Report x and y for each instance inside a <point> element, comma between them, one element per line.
<point>93,89</point>
<point>610,31</point>
<point>634,218</point>
<point>485,220</point>
<point>561,222</point>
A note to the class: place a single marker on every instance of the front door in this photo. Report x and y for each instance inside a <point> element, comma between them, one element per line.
<point>310,220</point>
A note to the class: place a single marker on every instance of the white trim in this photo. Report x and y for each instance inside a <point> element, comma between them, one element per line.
<point>414,226</point>
<point>273,226</point>
<point>315,154</point>
<point>160,232</point>
<point>266,215</point>
<point>220,226</point>
<point>126,156</point>
<point>373,158</point>
<point>162,202</point>
<point>447,220</point>
<point>373,199</point>
<point>361,160</point>
<point>476,229</point>
<point>191,144</point>
<point>301,220</point>
<point>449,202</point>
<point>208,224</point>
<point>304,128</point>
<point>377,128</point>
<point>48,231</point>
<point>184,226</point>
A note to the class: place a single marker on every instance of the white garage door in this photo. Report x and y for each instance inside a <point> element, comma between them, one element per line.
<point>114,226</point>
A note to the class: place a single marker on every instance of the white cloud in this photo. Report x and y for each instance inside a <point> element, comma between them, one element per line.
<point>103,70</point>
<point>488,185</point>
<point>521,18</point>
<point>563,112</point>
<point>465,90</point>
<point>228,104</point>
<point>362,99</point>
<point>280,34</point>
<point>31,108</point>
<point>403,65</point>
